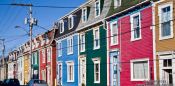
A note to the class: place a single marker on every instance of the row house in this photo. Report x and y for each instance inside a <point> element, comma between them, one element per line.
<point>67,49</point>
<point>24,67</point>
<point>164,50</point>
<point>20,65</point>
<point>92,43</point>
<point>47,56</point>
<point>35,58</point>
<point>12,65</point>
<point>3,68</point>
<point>130,43</point>
<point>27,63</point>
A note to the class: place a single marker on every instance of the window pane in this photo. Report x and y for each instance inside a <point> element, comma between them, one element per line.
<point>136,26</point>
<point>166,23</point>
<point>140,70</point>
<point>97,67</point>
<point>97,8</point>
<point>166,29</point>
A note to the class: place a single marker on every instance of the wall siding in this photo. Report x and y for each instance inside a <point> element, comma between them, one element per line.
<point>90,53</point>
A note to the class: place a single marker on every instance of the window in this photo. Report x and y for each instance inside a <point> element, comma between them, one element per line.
<point>61,24</point>
<point>96,38</point>
<point>60,73</point>
<point>166,26</point>
<point>167,63</point>
<point>43,74</point>
<point>36,57</point>
<point>139,70</point>
<point>48,54</point>
<point>114,33</point>
<point>70,71</point>
<point>135,27</point>
<point>43,58</point>
<point>84,14</point>
<point>70,45</point>
<point>82,42</point>
<point>97,8</point>
<point>96,70</point>
<point>71,21</point>
<point>59,49</point>
<point>117,3</point>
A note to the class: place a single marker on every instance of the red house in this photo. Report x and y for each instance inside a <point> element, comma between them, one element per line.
<point>48,57</point>
<point>130,46</point>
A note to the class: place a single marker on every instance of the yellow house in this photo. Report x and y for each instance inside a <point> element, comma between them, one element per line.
<point>26,69</point>
<point>164,41</point>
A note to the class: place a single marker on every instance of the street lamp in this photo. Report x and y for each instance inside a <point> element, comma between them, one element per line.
<point>23,29</point>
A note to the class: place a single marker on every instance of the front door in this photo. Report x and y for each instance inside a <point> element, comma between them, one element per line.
<point>166,66</point>
<point>82,69</point>
<point>114,67</point>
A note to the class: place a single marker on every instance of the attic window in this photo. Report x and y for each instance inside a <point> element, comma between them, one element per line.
<point>84,14</point>
<point>117,3</point>
<point>71,21</point>
<point>61,24</point>
<point>97,8</point>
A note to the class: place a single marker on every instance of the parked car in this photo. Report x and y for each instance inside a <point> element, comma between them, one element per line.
<point>1,83</point>
<point>37,82</point>
<point>11,82</point>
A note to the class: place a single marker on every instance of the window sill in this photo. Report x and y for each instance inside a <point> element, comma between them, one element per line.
<point>70,81</point>
<point>113,44</point>
<point>81,51</point>
<point>166,37</point>
<point>95,48</point>
<point>136,39</point>
<point>139,79</point>
<point>96,81</point>
<point>70,53</point>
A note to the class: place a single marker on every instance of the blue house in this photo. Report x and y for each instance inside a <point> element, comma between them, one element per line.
<point>67,49</point>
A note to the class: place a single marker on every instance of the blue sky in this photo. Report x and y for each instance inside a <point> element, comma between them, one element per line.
<point>11,16</point>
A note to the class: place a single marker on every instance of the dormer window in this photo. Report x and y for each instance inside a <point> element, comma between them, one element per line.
<point>61,24</point>
<point>117,3</point>
<point>71,21</point>
<point>84,14</point>
<point>97,8</point>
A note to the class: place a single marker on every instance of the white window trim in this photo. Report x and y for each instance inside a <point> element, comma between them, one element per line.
<point>49,48</point>
<point>59,49</point>
<point>61,31</point>
<point>60,63</point>
<point>84,15</point>
<point>132,29</point>
<point>99,8</point>
<point>160,28</point>
<point>111,33</point>
<point>115,5</point>
<point>72,22</point>
<point>96,61</point>
<point>43,56</point>
<point>96,47</point>
<point>68,64</point>
<point>82,50</point>
<point>131,69</point>
<point>68,46</point>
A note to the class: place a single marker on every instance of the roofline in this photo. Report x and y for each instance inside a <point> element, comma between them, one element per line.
<point>75,10</point>
<point>126,10</point>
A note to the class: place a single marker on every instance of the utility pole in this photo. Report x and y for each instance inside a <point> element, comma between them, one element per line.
<point>3,60</point>
<point>31,21</point>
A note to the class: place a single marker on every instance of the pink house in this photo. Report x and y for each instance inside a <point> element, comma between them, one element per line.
<point>130,46</point>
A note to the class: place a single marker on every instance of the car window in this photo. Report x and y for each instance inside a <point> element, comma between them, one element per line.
<point>39,82</point>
